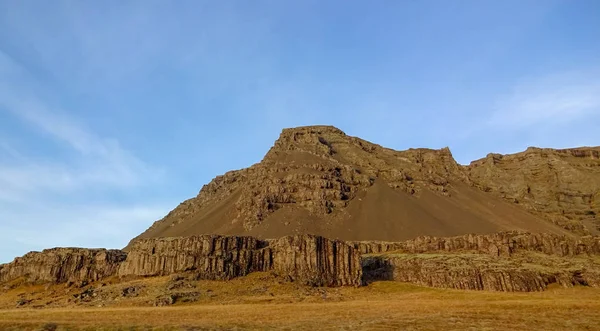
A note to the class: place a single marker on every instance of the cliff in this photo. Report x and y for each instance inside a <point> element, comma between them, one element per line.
<point>509,261</point>
<point>498,244</point>
<point>525,273</point>
<point>306,259</point>
<point>60,265</point>
<point>209,256</point>
<point>317,261</point>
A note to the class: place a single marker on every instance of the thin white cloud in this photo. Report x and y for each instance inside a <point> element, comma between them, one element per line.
<point>41,193</point>
<point>557,99</point>
<point>98,161</point>
<point>78,226</point>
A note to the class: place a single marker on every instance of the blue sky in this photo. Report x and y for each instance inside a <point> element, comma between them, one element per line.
<point>113,112</point>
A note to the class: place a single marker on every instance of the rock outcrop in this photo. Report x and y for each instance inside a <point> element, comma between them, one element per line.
<point>210,257</point>
<point>508,261</point>
<point>307,259</point>
<point>317,261</point>
<point>59,265</point>
<point>562,185</point>
<point>479,272</point>
<point>498,244</point>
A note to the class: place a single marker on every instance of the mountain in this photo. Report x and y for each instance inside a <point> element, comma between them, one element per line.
<point>321,181</point>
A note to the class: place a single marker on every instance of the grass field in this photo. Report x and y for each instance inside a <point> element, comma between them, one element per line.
<point>380,306</point>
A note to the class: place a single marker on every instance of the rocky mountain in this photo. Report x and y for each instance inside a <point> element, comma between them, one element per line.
<point>508,223</point>
<point>321,181</point>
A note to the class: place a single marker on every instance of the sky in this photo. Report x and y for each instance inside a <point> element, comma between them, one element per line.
<point>113,112</point>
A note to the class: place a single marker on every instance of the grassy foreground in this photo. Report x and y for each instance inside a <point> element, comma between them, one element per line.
<point>380,306</point>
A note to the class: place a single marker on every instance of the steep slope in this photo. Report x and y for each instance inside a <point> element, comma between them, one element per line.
<point>562,186</point>
<point>319,180</point>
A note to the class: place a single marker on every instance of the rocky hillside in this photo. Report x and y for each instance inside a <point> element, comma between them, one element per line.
<point>319,180</point>
<point>562,186</point>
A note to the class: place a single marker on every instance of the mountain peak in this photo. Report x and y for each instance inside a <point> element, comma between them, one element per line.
<point>318,180</point>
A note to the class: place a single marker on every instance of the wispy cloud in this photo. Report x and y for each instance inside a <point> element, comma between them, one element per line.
<point>97,161</point>
<point>75,226</point>
<point>556,99</point>
<point>41,193</point>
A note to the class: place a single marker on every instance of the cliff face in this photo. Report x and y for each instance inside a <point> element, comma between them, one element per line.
<point>209,256</point>
<point>306,259</point>
<point>508,261</point>
<point>525,273</point>
<point>503,262</point>
<point>59,265</point>
<point>317,261</point>
<point>561,185</point>
<point>498,244</point>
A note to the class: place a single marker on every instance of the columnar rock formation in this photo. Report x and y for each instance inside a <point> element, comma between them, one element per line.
<point>317,261</point>
<point>480,272</point>
<point>209,256</point>
<point>509,261</point>
<point>59,265</point>
<point>498,244</point>
<point>499,262</point>
<point>306,259</point>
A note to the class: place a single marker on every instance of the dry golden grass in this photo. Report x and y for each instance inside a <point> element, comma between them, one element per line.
<point>380,306</point>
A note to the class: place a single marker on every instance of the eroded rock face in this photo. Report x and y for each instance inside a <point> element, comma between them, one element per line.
<point>508,261</point>
<point>210,256</point>
<point>311,260</point>
<point>59,265</point>
<point>473,272</point>
<point>317,261</point>
<point>498,244</point>
<point>308,259</point>
<point>562,185</point>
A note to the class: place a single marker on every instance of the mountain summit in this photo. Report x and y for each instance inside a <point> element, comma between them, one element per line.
<point>319,180</point>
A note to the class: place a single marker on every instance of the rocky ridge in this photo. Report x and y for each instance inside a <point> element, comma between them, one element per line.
<point>509,261</point>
